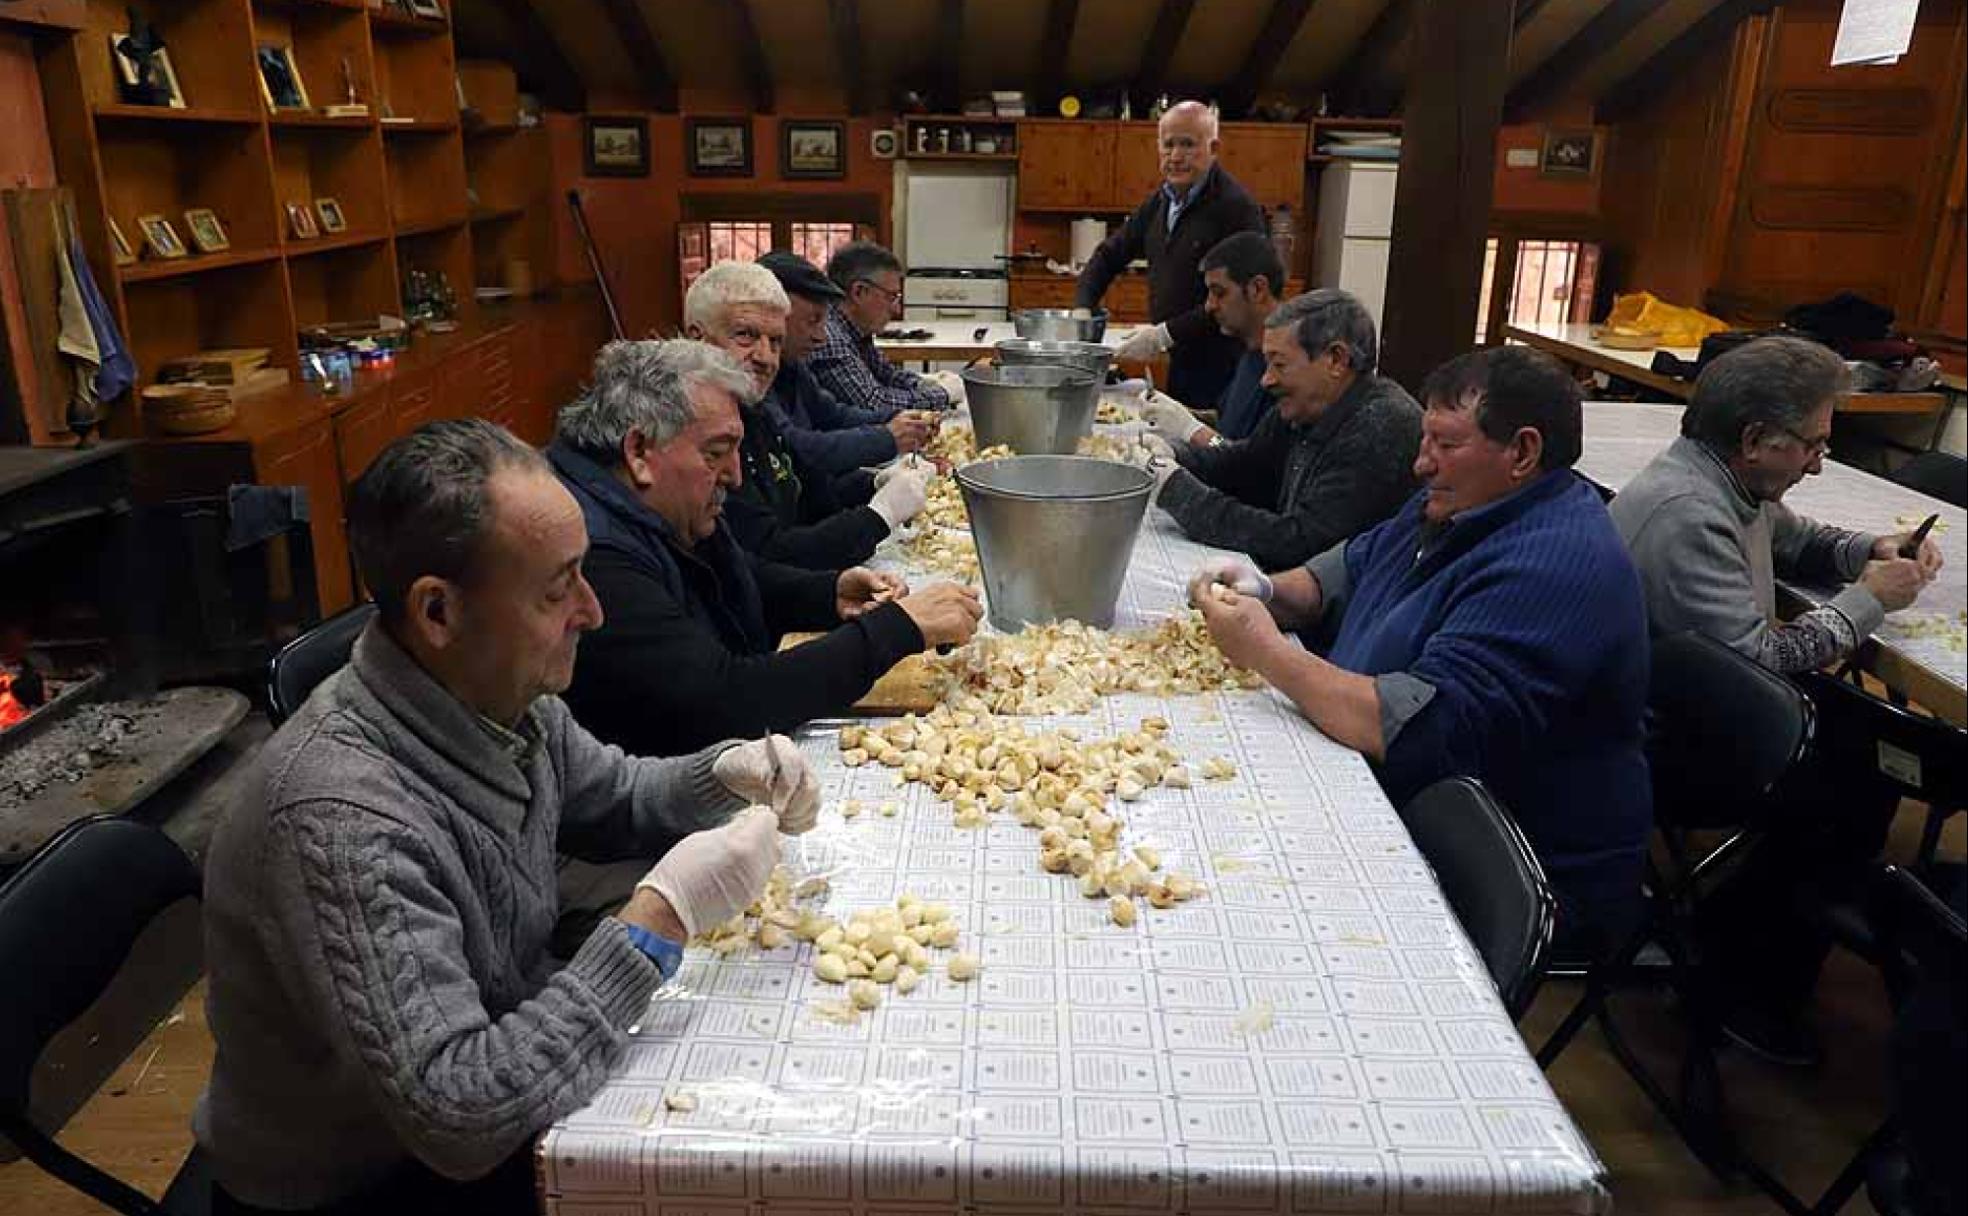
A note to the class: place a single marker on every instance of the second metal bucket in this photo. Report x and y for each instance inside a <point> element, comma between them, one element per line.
<point>1054,535</point>
<point>1035,410</point>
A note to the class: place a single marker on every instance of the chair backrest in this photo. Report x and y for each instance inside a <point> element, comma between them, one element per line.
<point>70,920</point>
<point>1941,475</point>
<point>1919,757</point>
<point>311,658</point>
<point>1723,731</point>
<point>1493,882</point>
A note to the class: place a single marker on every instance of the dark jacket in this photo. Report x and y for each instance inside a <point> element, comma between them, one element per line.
<point>685,654</point>
<point>825,431</point>
<point>1245,402</point>
<point>1291,491</point>
<point>1204,356</point>
<point>786,510</point>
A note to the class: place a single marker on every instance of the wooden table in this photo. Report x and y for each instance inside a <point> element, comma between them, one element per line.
<point>1622,437</point>
<point>1573,342</point>
<point>957,341</point>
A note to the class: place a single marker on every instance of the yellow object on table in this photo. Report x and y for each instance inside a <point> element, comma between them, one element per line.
<point>1642,311</point>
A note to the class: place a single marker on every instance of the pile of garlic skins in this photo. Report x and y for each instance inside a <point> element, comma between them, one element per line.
<point>1105,447</point>
<point>1065,668</point>
<point>1112,411</point>
<point>1052,782</point>
<point>943,551</point>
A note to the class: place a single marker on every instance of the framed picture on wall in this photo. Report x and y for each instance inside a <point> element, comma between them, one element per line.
<point>718,147</point>
<point>812,148</point>
<point>1572,152</point>
<point>615,147</point>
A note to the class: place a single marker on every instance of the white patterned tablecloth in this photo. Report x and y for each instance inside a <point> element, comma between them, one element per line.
<point>1314,1034</point>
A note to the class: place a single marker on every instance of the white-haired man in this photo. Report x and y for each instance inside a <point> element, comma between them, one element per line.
<point>786,508</point>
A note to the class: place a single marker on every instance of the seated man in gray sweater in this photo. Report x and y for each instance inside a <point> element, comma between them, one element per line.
<point>1708,530</point>
<point>391,1031</point>
<point>1335,458</point>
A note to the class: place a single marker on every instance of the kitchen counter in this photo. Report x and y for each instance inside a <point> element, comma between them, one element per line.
<point>960,341</point>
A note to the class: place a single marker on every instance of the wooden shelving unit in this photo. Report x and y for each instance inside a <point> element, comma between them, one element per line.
<point>508,177</point>
<point>402,187</point>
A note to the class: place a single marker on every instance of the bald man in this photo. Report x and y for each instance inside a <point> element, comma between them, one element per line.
<point>1196,206</point>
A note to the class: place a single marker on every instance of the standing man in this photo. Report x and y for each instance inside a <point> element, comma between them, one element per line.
<point>1242,277</point>
<point>1197,206</point>
<point>846,362</point>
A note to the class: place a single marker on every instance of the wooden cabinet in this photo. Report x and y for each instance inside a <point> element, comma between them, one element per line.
<point>1126,301</point>
<point>1065,165</point>
<point>1269,159</point>
<point>413,401</point>
<point>493,359</point>
<point>306,457</point>
<point>1137,163</point>
<point>362,431</point>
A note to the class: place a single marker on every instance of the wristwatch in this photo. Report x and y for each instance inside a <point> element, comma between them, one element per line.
<point>666,954</point>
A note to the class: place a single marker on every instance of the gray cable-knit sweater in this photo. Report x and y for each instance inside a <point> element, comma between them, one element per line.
<point>378,905</point>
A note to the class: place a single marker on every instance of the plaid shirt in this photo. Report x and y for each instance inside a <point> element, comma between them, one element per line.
<point>847,365</point>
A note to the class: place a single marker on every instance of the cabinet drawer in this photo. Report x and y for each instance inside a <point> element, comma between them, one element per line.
<point>1043,293</point>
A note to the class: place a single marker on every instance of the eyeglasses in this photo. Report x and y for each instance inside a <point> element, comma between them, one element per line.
<point>890,296</point>
<point>1820,446</point>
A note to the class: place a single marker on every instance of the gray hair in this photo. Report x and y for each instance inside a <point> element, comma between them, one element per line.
<point>647,386</point>
<point>713,293</point>
<point>422,507</point>
<point>1776,382</point>
<point>859,260</point>
<point>1327,317</point>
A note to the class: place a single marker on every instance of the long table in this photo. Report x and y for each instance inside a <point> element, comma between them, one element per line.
<point>957,341</point>
<point>1314,1034</point>
<point>1918,651</point>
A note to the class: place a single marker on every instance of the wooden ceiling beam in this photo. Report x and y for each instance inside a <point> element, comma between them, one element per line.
<point>651,69</point>
<point>539,60</point>
<point>1152,74</point>
<point>1371,57</point>
<point>751,54</point>
<point>1548,82</point>
<point>1627,96</point>
<point>845,16</point>
<point>1280,27</point>
<point>949,56</point>
<point>1061,16</point>
<point>1527,11</point>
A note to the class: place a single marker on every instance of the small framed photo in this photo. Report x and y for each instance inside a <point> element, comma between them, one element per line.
<point>161,89</point>
<point>330,211</point>
<point>430,9</point>
<point>300,221</point>
<point>1569,152</point>
<point>812,148</point>
<point>207,234</point>
<point>616,147</point>
<point>718,147</point>
<point>280,78</point>
<point>120,244</point>
<point>160,239</point>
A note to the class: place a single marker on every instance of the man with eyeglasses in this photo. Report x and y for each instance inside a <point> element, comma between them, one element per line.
<point>846,362</point>
<point>1708,530</point>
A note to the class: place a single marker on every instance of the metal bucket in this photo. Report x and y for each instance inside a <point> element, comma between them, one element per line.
<point>1035,410</point>
<point>1034,352</point>
<point>1060,324</point>
<point>1054,535</point>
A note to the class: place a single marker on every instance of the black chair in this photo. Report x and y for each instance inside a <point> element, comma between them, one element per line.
<point>1912,755</point>
<point>1723,733</point>
<point>1493,881</point>
<point>311,658</point>
<point>99,936</point>
<point>1941,475</point>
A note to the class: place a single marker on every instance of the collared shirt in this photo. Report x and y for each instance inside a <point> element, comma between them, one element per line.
<point>512,741</point>
<point>1177,203</point>
<point>847,365</point>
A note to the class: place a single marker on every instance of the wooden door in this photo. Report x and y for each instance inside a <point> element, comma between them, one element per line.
<point>1137,164</point>
<point>1269,160</point>
<point>306,457</point>
<point>1064,166</point>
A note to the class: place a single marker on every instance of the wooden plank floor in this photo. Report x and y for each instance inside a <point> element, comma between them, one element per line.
<point>1803,1124</point>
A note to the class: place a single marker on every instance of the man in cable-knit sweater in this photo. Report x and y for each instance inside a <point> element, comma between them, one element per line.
<point>1492,629</point>
<point>1335,458</point>
<point>391,1030</point>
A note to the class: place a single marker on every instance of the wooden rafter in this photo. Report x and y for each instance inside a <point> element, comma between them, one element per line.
<point>539,60</point>
<point>1626,96</point>
<point>1061,15</point>
<point>1563,66</point>
<point>751,53</point>
<point>651,69</point>
<point>1280,27</point>
<point>1170,21</point>
<point>1370,58</point>
<point>845,16</point>
<point>1526,11</point>
<point>949,56</point>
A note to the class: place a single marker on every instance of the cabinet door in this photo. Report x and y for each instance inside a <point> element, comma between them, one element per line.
<point>458,394</point>
<point>1054,292</point>
<point>1269,159</point>
<point>361,432</point>
<point>413,401</point>
<point>1127,299</point>
<point>1065,165</point>
<point>306,458</point>
<point>1137,164</point>
<point>495,378</point>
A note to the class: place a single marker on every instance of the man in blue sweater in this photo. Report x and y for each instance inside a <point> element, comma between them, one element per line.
<point>1493,628</point>
<point>1244,280</point>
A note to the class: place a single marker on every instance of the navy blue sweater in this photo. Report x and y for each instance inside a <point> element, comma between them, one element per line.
<point>828,433</point>
<point>1527,619</point>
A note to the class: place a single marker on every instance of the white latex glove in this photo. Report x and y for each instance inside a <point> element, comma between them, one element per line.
<point>709,877</point>
<point>949,382</point>
<point>773,773</point>
<point>1161,468</point>
<point>901,465</point>
<point>1233,571</point>
<point>902,498</point>
<point>1168,417</point>
<point>1153,447</point>
<point>1144,344</point>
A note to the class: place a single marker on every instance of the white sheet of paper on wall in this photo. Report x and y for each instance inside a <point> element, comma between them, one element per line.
<point>1873,32</point>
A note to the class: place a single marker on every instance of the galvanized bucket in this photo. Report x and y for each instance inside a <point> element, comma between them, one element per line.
<point>1054,535</point>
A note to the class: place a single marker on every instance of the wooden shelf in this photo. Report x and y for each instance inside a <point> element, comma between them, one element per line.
<point>388,24</point>
<point>488,215</point>
<point>1357,124</point>
<point>119,112</point>
<point>172,268</point>
<point>475,129</point>
<point>418,126</point>
<point>301,248</point>
<point>355,6</point>
<point>300,120</point>
<point>438,224</point>
<point>1010,156</point>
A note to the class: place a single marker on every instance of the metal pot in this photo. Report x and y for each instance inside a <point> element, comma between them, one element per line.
<point>1031,352</point>
<point>1034,410</point>
<point>1054,535</point>
<point>1061,324</point>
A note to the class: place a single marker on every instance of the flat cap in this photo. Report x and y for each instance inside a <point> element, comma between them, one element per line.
<point>800,277</point>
